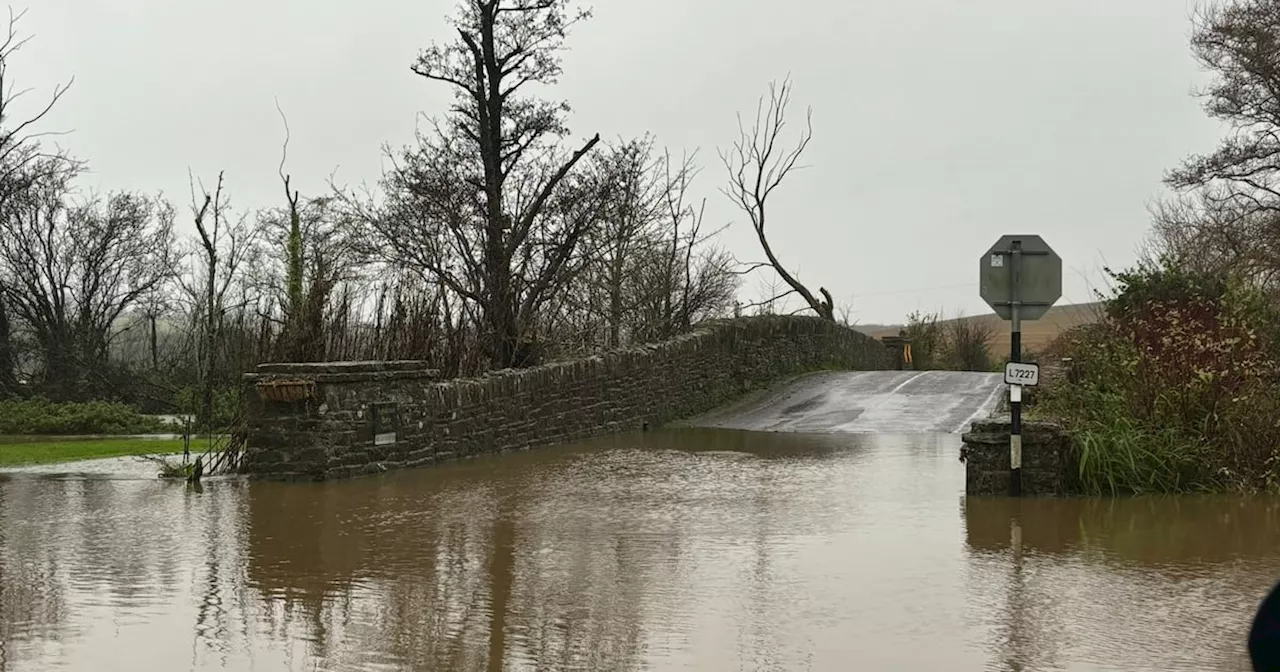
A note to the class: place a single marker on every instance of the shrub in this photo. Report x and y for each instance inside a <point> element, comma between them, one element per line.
<point>1177,386</point>
<point>967,345</point>
<point>955,345</point>
<point>926,339</point>
<point>38,415</point>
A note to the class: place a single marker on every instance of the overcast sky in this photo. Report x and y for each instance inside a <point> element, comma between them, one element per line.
<point>939,124</point>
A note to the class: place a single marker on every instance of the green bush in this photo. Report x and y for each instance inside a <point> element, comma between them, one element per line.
<point>1177,387</point>
<point>38,415</point>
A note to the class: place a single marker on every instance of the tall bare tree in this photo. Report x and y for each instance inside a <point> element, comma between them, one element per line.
<point>224,247</point>
<point>20,164</point>
<point>700,281</point>
<point>480,186</point>
<point>73,270</point>
<point>625,234</point>
<point>650,268</point>
<point>757,164</point>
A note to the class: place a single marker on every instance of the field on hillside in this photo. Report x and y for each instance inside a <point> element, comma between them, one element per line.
<point>1035,334</point>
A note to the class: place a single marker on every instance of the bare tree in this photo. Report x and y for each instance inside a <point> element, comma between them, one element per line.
<point>698,280</point>
<point>21,153</point>
<point>20,164</point>
<point>967,343</point>
<point>1210,234</point>
<point>651,269</point>
<point>1237,42</point>
<point>757,164</point>
<point>627,225</point>
<point>480,186</point>
<point>224,247</point>
<point>72,270</point>
<point>600,306</point>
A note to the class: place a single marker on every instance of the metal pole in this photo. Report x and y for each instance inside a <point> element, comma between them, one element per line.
<point>1015,391</point>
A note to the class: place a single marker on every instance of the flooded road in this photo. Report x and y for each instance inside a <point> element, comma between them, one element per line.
<point>865,401</point>
<point>692,549</point>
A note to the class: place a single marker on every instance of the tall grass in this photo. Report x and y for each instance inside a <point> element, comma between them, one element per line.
<point>1125,458</point>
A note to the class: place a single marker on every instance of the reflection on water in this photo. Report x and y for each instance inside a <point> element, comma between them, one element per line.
<point>690,549</point>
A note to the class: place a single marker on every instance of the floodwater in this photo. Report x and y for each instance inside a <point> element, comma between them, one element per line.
<point>695,549</point>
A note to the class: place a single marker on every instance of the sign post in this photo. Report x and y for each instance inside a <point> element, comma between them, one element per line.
<point>1020,277</point>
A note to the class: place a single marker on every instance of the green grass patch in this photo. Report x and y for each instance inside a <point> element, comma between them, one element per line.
<point>53,451</point>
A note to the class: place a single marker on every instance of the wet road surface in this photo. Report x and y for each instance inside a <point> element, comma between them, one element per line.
<point>694,549</point>
<point>892,402</point>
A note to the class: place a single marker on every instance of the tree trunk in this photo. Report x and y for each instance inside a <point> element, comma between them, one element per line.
<point>8,359</point>
<point>210,337</point>
<point>615,300</point>
<point>155,350</point>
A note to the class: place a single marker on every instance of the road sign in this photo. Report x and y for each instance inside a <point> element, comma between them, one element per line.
<point>1022,269</point>
<point>1022,374</point>
<point>1021,278</point>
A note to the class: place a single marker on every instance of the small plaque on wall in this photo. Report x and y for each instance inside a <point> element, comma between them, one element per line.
<point>386,418</point>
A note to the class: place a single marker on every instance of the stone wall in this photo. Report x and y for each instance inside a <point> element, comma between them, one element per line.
<point>322,421</point>
<point>1049,465</point>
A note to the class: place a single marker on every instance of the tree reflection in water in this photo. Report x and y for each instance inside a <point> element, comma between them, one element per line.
<point>690,549</point>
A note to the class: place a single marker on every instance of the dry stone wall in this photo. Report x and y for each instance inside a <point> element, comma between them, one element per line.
<point>325,421</point>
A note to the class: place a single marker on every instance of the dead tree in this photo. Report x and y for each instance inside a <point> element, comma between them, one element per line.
<point>757,164</point>
<point>225,244</point>
<point>482,184</point>
<point>212,311</point>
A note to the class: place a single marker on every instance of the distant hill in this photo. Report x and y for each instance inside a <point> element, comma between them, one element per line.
<point>1035,334</point>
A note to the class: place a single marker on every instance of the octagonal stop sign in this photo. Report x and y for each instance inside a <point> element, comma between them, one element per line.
<point>1022,269</point>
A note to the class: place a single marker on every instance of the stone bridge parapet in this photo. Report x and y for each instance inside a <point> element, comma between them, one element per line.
<point>335,420</point>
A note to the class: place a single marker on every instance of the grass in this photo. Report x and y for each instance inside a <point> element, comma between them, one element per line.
<point>1123,458</point>
<point>53,451</point>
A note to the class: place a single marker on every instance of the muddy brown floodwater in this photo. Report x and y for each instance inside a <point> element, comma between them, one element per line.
<point>674,550</point>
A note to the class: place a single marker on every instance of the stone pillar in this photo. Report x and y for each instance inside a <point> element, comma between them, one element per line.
<point>1049,461</point>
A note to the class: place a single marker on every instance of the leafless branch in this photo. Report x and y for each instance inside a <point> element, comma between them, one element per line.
<point>757,165</point>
